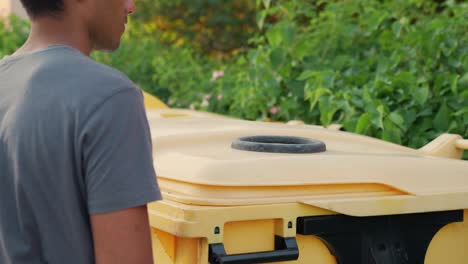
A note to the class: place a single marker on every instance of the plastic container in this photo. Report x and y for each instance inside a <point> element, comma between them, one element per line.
<point>152,102</point>
<point>354,200</point>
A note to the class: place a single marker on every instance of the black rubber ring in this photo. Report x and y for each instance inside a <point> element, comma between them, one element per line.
<point>279,144</point>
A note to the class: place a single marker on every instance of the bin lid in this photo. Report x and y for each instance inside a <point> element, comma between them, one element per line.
<point>356,175</point>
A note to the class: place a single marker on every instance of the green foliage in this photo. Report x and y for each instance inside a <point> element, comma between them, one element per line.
<point>177,75</point>
<point>395,70</point>
<point>214,27</point>
<point>13,33</point>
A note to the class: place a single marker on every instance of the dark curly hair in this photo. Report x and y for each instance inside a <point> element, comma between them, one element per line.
<point>36,8</point>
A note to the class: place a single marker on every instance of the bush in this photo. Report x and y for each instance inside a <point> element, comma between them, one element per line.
<point>213,27</point>
<point>13,33</point>
<point>396,70</point>
<point>177,75</point>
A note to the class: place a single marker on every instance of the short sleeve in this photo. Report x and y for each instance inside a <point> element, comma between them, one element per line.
<point>117,155</point>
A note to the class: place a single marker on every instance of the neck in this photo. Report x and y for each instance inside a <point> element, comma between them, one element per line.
<point>63,30</point>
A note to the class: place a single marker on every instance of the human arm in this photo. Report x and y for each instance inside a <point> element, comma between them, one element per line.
<point>122,237</point>
<point>120,178</point>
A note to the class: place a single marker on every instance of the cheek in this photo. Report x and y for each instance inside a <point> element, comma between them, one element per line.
<point>108,36</point>
<point>108,28</point>
<point>111,26</point>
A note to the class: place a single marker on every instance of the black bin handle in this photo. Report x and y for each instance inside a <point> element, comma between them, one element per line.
<point>285,250</point>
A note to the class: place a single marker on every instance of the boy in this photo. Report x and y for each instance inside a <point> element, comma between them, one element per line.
<point>76,168</point>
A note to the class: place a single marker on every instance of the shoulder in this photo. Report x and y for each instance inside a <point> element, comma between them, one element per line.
<point>87,73</point>
<point>79,81</point>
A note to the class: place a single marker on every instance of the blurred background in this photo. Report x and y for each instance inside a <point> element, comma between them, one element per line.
<point>391,69</point>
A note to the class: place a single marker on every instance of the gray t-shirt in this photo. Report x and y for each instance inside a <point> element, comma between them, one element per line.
<point>74,141</point>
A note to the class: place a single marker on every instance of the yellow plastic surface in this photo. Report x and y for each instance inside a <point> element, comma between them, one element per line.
<point>152,102</point>
<point>181,233</point>
<point>155,114</point>
<point>250,197</point>
<point>462,144</point>
<point>193,221</point>
<point>357,175</point>
<point>447,145</point>
<point>168,248</point>
<point>450,245</point>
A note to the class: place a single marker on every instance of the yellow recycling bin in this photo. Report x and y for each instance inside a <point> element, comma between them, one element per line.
<point>250,192</point>
<point>153,102</point>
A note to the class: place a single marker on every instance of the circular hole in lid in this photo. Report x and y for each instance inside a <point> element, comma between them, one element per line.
<point>279,144</point>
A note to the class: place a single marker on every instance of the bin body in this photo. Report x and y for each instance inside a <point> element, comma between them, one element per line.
<point>449,245</point>
<point>359,201</point>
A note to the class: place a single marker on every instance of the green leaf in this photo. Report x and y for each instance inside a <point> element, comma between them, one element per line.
<point>327,110</point>
<point>277,57</point>
<point>362,124</point>
<point>463,82</point>
<point>462,112</point>
<point>274,36</point>
<point>409,116</point>
<point>404,79</point>
<point>306,75</point>
<point>328,78</point>
<point>318,78</point>
<point>421,94</point>
<point>281,33</point>
<point>454,85</point>
<point>314,95</point>
<point>425,112</point>
<point>301,49</point>
<point>288,32</point>
<point>397,120</point>
<point>442,118</point>
<point>396,27</point>
<point>464,94</point>
<point>261,16</point>
<point>380,116</point>
<point>391,132</point>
